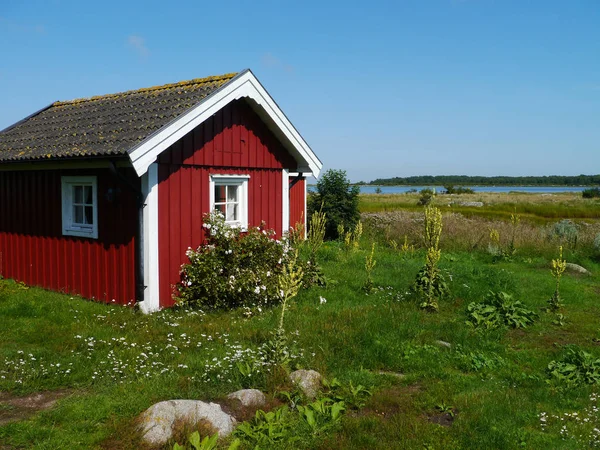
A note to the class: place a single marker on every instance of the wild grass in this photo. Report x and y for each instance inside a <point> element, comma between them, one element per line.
<point>488,389</point>
<point>536,208</point>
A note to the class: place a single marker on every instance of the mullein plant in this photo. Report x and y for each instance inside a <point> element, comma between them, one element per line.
<point>351,236</point>
<point>314,241</point>
<point>290,282</point>
<point>430,284</point>
<point>558,267</point>
<point>515,220</point>
<point>369,266</point>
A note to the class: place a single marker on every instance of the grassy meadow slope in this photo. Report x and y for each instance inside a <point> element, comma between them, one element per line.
<point>474,390</point>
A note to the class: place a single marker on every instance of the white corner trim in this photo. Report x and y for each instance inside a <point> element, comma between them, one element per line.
<point>285,199</point>
<point>305,214</point>
<point>243,85</point>
<point>151,301</point>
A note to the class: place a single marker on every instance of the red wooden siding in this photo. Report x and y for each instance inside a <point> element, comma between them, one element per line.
<point>34,251</point>
<point>233,141</point>
<point>297,193</point>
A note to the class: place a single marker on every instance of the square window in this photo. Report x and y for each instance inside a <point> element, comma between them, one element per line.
<point>79,206</point>
<point>229,195</point>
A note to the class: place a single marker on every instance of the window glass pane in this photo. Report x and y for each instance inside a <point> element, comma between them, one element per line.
<point>89,215</point>
<point>231,212</point>
<point>77,214</point>
<point>232,193</point>
<point>220,194</point>
<point>220,208</point>
<point>88,195</point>
<point>78,194</point>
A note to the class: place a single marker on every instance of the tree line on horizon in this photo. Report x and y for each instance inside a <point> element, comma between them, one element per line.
<point>466,180</point>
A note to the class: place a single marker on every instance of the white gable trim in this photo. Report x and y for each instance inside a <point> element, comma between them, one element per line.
<point>243,85</point>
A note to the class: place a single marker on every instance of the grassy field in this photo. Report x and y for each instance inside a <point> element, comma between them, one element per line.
<point>474,390</point>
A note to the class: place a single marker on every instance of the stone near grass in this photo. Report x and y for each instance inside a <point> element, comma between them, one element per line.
<point>249,397</point>
<point>309,381</point>
<point>474,204</point>
<point>156,423</point>
<point>444,344</point>
<point>577,269</point>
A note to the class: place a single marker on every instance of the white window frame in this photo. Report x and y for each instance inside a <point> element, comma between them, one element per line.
<point>69,228</point>
<point>241,181</point>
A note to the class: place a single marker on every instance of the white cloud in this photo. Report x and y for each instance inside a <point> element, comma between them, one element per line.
<point>138,45</point>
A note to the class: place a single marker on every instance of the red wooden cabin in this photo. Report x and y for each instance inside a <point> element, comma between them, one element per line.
<point>102,196</point>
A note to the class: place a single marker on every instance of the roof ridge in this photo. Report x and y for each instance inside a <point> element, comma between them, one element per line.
<point>223,77</point>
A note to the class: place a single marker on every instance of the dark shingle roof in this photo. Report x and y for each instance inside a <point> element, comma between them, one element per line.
<point>103,125</point>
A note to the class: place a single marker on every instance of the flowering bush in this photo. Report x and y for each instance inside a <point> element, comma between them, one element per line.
<point>234,268</point>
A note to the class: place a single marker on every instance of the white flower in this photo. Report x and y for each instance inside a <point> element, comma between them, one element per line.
<point>322,300</point>
<point>257,290</point>
<point>189,283</point>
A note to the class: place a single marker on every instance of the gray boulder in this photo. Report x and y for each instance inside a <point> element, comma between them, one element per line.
<point>473,204</point>
<point>309,381</point>
<point>577,269</point>
<point>249,397</point>
<point>156,423</point>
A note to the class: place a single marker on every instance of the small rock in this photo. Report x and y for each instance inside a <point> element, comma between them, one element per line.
<point>444,344</point>
<point>156,423</point>
<point>474,204</point>
<point>392,374</point>
<point>577,269</point>
<point>249,397</point>
<point>309,381</point>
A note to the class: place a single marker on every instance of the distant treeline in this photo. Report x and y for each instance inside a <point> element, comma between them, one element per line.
<point>464,180</point>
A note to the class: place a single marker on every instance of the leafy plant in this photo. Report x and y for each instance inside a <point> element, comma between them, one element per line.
<point>427,196</point>
<point>338,199</point>
<point>234,268</point>
<point>591,193</point>
<point>208,443</point>
<point>267,428</point>
<point>352,236</point>
<point>565,231</point>
<point>369,266</point>
<point>430,285</point>
<point>289,281</point>
<point>451,189</point>
<point>322,414</point>
<point>576,367</point>
<point>499,309</point>
<point>354,397</point>
<point>313,275</point>
<point>558,267</point>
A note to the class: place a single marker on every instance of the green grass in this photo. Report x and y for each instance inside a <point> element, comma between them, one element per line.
<point>495,382</point>
<point>536,208</point>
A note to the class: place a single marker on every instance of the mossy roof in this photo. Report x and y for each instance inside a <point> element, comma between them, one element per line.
<point>105,125</point>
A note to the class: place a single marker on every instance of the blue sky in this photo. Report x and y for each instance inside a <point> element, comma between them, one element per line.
<point>380,89</point>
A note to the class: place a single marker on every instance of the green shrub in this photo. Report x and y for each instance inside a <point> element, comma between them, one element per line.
<point>565,231</point>
<point>499,309</point>
<point>576,367</point>
<point>426,197</point>
<point>450,189</point>
<point>234,268</point>
<point>337,199</point>
<point>591,193</point>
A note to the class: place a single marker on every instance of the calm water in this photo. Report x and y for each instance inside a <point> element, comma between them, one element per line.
<point>531,189</point>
